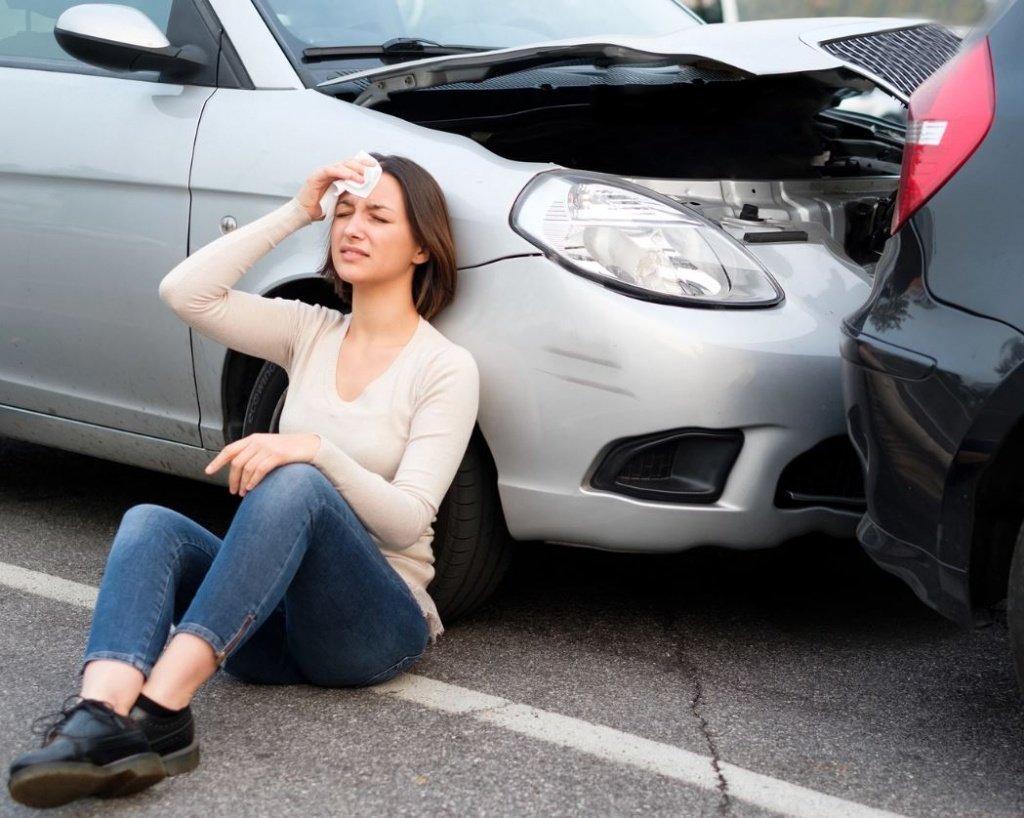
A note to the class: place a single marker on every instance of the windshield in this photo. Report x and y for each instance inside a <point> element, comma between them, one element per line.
<point>303,24</point>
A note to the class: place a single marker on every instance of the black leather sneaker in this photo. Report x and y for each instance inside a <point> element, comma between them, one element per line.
<point>88,750</point>
<point>172,737</point>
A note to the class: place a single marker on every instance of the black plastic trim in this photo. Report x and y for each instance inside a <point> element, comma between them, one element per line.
<point>701,461</point>
<point>773,236</point>
<point>828,475</point>
<point>172,61</point>
<point>231,71</point>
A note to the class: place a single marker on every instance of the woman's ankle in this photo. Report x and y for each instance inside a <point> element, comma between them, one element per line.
<point>113,682</point>
<point>186,663</point>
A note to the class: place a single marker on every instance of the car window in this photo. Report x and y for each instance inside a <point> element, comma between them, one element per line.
<point>468,22</point>
<point>26,30</point>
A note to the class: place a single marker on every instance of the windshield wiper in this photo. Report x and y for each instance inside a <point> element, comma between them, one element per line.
<point>401,47</point>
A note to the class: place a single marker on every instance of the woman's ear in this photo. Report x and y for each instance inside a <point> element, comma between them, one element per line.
<point>421,256</point>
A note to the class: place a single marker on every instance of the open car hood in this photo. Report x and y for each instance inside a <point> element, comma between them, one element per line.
<point>896,55</point>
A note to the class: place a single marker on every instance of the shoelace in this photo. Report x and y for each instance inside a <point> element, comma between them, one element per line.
<point>47,725</point>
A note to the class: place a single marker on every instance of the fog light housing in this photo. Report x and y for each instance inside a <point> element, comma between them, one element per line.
<point>679,466</point>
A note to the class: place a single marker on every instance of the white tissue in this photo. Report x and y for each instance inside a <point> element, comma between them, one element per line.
<point>371,175</point>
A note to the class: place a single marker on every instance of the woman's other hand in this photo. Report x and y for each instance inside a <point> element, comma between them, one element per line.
<point>322,178</point>
<point>252,458</point>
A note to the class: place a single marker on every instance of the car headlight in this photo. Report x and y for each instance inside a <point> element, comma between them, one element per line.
<point>627,237</point>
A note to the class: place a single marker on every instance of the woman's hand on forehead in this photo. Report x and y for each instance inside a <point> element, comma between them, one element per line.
<point>348,170</point>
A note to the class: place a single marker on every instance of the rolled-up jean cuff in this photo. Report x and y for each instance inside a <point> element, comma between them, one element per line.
<point>215,642</point>
<point>135,661</point>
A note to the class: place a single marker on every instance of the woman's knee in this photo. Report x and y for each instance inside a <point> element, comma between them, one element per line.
<point>147,530</point>
<point>299,477</point>
<point>140,525</point>
<point>294,485</point>
<point>144,514</point>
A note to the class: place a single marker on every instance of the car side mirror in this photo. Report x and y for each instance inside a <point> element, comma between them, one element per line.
<point>121,38</point>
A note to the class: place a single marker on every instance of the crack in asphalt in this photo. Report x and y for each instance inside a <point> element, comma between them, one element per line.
<point>689,670</point>
<point>724,801</point>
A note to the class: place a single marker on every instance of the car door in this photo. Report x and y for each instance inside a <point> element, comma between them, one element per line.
<point>94,209</point>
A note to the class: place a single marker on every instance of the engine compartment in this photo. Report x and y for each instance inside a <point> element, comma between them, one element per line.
<point>725,128</point>
<point>675,128</point>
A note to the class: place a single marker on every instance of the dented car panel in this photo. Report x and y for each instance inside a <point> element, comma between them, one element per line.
<point>758,48</point>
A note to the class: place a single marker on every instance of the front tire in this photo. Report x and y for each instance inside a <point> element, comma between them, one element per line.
<point>472,546</point>
<point>266,400</point>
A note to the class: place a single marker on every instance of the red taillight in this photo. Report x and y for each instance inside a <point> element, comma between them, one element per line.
<point>950,115</point>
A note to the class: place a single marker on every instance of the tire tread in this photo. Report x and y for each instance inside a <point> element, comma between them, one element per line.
<point>472,547</point>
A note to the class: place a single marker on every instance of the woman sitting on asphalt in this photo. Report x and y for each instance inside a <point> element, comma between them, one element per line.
<point>322,576</point>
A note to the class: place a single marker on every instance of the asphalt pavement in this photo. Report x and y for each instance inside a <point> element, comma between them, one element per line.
<point>794,681</point>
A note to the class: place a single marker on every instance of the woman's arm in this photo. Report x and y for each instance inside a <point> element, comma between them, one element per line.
<point>398,512</point>
<point>200,290</point>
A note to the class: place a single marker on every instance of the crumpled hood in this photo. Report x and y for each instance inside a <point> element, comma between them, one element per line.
<point>880,49</point>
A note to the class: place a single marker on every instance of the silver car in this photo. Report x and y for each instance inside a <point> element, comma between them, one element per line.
<point>659,224</point>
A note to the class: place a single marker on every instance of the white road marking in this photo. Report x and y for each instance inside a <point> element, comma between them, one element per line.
<point>627,749</point>
<point>63,590</point>
<point>595,740</point>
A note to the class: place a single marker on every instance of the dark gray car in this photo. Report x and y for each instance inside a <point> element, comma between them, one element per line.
<point>934,361</point>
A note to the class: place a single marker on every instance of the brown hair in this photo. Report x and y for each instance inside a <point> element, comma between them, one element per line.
<point>433,281</point>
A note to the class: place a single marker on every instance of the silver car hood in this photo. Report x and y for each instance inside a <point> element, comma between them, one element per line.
<point>763,47</point>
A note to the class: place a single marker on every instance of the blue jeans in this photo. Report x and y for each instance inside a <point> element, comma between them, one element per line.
<point>296,592</point>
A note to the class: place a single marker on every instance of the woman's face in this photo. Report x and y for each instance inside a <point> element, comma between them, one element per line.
<point>371,239</point>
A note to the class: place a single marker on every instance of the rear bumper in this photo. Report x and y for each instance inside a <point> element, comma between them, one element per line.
<point>901,429</point>
<point>940,586</point>
<point>926,426</point>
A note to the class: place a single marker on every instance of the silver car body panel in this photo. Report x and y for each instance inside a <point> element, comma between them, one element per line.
<point>110,444</point>
<point>759,48</point>
<point>557,385</point>
<point>90,220</point>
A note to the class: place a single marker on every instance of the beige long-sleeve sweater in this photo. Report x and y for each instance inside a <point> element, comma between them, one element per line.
<point>392,451</point>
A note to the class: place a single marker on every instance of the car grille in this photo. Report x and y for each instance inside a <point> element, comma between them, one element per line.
<point>829,475</point>
<point>903,58</point>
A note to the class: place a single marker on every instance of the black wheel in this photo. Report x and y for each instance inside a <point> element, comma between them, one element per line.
<point>266,400</point>
<point>472,547</point>
<point>1015,607</point>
